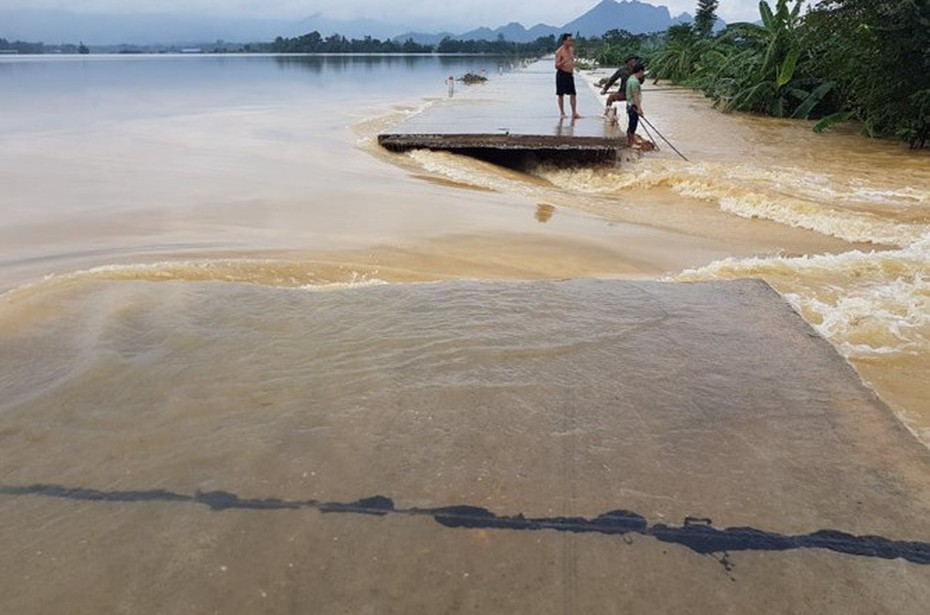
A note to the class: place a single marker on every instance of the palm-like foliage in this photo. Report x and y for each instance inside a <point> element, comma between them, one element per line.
<point>748,67</point>
<point>763,69</point>
<point>863,59</point>
<point>677,60</point>
<point>615,46</point>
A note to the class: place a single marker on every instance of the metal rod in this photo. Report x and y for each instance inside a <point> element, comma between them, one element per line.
<point>642,117</point>
<point>651,138</point>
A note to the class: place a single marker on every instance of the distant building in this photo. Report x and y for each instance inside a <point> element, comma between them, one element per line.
<point>192,50</point>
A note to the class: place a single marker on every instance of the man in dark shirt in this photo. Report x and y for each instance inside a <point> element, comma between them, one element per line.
<point>622,73</point>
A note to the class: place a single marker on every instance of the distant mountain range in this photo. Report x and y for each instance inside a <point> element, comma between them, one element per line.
<point>55,27</point>
<point>630,15</point>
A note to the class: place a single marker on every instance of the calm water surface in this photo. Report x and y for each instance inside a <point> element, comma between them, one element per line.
<point>167,224</point>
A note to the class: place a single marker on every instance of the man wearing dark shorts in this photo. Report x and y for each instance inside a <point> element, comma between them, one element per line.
<point>565,75</point>
<point>564,83</point>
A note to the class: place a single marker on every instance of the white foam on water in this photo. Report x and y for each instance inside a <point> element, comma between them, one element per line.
<point>357,280</point>
<point>819,186</point>
<point>309,275</point>
<point>865,303</point>
<point>472,172</point>
<point>796,198</point>
<point>874,319</point>
<point>602,179</point>
<point>371,126</point>
<point>587,179</point>
<point>902,197</point>
<point>842,224</point>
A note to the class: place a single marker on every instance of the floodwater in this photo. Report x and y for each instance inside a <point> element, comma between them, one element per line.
<point>214,280</point>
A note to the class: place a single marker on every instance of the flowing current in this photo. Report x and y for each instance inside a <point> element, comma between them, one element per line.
<point>119,172</point>
<point>214,281</point>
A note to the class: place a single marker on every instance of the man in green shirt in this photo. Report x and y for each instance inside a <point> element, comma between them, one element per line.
<point>634,104</point>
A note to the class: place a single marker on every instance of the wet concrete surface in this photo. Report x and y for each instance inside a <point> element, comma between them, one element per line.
<point>675,448</point>
<point>511,111</point>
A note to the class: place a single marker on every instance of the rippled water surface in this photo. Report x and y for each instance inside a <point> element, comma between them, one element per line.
<point>173,231</point>
<point>264,170</point>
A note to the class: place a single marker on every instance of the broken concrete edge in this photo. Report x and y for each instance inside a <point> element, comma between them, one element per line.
<point>403,142</point>
<point>896,420</point>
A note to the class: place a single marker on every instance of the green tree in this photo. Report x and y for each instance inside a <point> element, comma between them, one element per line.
<point>765,70</point>
<point>614,46</point>
<point>705,17</point>
<point>879,54</point>
<point>678,58</point>
<point>867,60</point>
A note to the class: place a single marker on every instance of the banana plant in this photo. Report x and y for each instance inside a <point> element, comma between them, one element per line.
<point>762,76</point>
<point>675,61</point>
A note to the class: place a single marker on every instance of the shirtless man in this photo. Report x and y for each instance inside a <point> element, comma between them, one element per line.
<point>564,75</point>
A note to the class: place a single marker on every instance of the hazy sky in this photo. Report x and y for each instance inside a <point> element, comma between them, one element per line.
<point>455,15</point>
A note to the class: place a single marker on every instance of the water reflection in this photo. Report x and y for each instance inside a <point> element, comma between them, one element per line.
<point>565,128</point>
<point>339,62</point>
<point>544,212</point>
<point>320,62</point>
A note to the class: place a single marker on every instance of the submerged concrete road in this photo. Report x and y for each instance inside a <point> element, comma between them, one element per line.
<point>638,447</point>
<point>511,111</point>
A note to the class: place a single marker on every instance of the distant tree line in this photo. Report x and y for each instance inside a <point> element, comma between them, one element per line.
<point>541,46</point>
<point>314,42</point>
<point>23,47</point>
